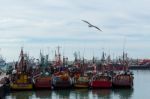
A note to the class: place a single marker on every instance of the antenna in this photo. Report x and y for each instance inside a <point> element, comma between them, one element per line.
<point>59,55</point>
<point>83,52</point>
<point>48,50</point>
<point>58,49</point>
<point>124,42</point>
<point>63,51</point>
<point>79,55</point>
<point>94,52</point>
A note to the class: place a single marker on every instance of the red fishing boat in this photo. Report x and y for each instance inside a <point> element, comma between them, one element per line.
<point>102,80</point>
<point>42,80</point>
<point>123,78</point>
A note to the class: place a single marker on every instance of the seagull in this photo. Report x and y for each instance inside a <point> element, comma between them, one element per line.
<point>90,25</point>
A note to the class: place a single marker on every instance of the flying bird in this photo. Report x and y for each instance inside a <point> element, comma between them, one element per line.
<point>90,25</point>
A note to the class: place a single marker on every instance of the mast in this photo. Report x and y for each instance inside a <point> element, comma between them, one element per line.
<point>103,61</point>
<point>22,60</point>
<point>64,61</point>
<point>93,60</point>
<point>76,57</point>
<point>57,57</point>
<point>125,64</point>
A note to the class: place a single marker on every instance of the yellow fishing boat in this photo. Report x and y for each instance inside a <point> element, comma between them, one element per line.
<point>22,83</point>
<point>82,82</point>
<point>21,76</point>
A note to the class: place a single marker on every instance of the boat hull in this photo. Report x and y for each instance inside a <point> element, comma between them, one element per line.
<point>101,84</point>
<point>43,83</point>
<point>22,83</point>
<point>23,86</point>
<point>81,82</point>
<point>123,81</point>
<point>81,85</point>
<point>58,82</point>
<point>122,85</point>
<point>63,84</point>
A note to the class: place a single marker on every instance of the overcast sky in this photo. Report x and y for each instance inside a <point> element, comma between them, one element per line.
<point>45,24</point>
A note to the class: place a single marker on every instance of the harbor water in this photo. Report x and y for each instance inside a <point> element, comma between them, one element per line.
<point>140,90</point>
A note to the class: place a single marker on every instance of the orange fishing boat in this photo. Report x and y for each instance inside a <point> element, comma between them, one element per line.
<point>61,80</point>
<point>61,77</point>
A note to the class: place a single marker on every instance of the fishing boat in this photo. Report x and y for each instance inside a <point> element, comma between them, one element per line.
<point>43,82</point>
<point>101,80</point>
<point>42,79</point>
<point>91,69</point>
<point>81,82</point>
<point>61,77</point>
<point>80,78</point>
<point>61,80</point>
<point>21,77</point>
<point>21,83</point>
<point>123,78</point>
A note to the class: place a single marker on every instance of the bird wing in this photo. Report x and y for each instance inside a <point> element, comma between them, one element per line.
<point>97,28</point>
<point>87,22</point>
<point>90,25</point>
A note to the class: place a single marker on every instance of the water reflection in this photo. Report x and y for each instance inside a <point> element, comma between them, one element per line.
<point>73,94</point>
<point>102,93</point>
<point>77,93</point>
<point>124,93</point>
<point>20,95</point>
<point>61,94</point>
<point>43,94</point>
<point>2,93</point>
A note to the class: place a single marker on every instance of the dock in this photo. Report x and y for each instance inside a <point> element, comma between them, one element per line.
<point>138,67</point>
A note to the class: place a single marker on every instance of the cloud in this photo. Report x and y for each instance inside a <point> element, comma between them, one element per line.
<point>33,23</point>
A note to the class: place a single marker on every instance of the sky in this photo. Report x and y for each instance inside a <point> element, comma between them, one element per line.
<point>45,24</point>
